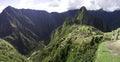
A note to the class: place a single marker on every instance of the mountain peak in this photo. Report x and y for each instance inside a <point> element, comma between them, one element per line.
<point>9,7</point>
<point>83,9</point>
<point>82,14</point>
<point>11,10</point>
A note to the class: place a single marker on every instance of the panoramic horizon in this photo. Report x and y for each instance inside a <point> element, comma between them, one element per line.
<point>61,5</point>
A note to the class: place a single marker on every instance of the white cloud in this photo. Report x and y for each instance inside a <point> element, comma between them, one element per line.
<point>1,8</point>
<point>62,5</point>
<point>109,5</point>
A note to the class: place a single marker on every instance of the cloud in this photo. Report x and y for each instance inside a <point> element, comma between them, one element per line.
<point>62,5</point>
<point>108,5</point>
<point>54,4</point>
<point>75,4</point>
<point>1,8</point>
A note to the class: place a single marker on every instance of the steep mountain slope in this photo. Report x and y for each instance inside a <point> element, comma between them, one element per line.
<point>14,27</point>
<point>84,17</point>
<point>9,53</point>
<point>72,42</point>
<point>111,19</point>
<point>25,28</point>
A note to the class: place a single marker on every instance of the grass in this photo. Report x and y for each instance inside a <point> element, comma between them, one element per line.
<point>9,54</point>
<point>74,43</point>
<point>103,55</point>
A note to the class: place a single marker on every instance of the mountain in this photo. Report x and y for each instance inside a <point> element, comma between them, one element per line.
<point>111,19</point>
<point>87,19</point>
<point>80,40</point>
<point>25,28</point>
<point>72,36</point>
<point>15,28</point>
<point>74,41</point>
<point>9,53</point>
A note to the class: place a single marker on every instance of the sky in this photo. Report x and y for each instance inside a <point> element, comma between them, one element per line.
<point>61,5</point>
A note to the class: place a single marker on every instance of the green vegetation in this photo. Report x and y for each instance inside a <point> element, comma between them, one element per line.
<point>112,36</point>
<point>27,41</point>
<point>81,16</point>
<point>104,55</point>
<point>9,54</point>
<point>73,43</point>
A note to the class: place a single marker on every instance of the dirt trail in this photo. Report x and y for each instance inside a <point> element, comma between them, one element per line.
<point>114,47</point>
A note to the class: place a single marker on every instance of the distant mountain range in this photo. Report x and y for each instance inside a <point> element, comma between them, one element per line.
<point>111,19</point>
<point>28,30</point>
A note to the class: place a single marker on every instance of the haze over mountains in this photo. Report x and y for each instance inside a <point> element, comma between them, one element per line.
<point>38,34</point>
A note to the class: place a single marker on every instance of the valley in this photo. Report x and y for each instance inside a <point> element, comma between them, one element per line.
<point>72,36</point>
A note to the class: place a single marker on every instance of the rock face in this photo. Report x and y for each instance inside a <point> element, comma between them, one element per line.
<point>72,42</point>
